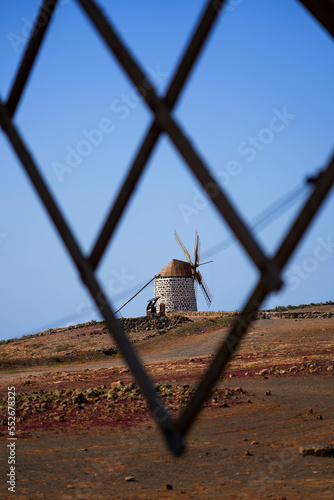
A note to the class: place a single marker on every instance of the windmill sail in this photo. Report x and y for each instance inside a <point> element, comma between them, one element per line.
<point>205,289</point>
<point>198,278</point>
<point>197,249</point>
<point>183,248</point>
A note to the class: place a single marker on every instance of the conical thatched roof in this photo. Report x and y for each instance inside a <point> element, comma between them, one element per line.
<point>176,268</point>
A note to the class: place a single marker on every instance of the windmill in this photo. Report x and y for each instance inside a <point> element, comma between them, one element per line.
<point>197,276</point>
<point>176,284</point>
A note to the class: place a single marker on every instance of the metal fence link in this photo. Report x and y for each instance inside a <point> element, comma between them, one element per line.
<point>163,122</point>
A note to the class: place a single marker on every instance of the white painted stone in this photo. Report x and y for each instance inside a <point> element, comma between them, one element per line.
<point>177,293</point>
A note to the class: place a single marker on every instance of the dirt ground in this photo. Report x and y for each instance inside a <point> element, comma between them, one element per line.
<point>275,396</point>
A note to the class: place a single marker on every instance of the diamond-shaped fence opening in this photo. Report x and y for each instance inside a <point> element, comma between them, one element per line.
<point>270,268</point>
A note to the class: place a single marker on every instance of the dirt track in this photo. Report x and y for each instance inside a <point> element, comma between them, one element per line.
<point>266,336</point>
<point>92,462</point>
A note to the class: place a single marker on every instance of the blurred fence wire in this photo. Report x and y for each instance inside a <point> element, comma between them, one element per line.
<point>270,268</point>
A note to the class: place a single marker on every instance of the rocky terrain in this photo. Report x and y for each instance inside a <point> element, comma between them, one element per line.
<point>295,314</point>
<point>80,342</point>
<point>84,430</point>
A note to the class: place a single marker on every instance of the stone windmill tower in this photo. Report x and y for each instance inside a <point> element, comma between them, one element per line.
<point>176,284</point>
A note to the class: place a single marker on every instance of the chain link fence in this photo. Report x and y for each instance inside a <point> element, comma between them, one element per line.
<point>270,268</point>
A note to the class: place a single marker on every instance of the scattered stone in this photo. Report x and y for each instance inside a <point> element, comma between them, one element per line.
<point>318,450</point>
<point>108,351</point>
<point>268,393</point>
<point>254,442</point>
<point>61,418</point>
<point>248,454</point>
<point>264,372</point>
<point>315,369</point>
<point>319,417</point>
<point>130,478</point>
<point>150,323</point>
<point>116,386</point>
<point>330,368</point>
<point>169,487</point>
<point>309,411</point>
<point>92,393</point>
<point>79,398</point>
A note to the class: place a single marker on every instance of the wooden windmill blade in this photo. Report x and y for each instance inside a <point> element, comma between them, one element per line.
<point>197,249</point>
<point>183,248</point>
<point>205,289</point>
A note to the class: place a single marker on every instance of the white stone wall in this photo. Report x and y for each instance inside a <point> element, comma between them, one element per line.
<point>178,293</point>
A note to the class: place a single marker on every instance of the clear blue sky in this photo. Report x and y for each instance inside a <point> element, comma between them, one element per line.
<point>258,106</point>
